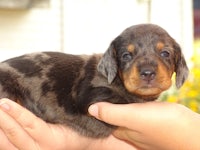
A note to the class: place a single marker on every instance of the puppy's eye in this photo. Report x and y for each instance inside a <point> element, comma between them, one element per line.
<point>164,54</point>
<point>126,56</point>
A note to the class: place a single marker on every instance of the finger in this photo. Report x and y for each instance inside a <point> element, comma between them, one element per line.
<point>115,114</point>
<point>44,134</point>
<point>125,115</point>
<point>127,134</point>
<point>15,133</point>
<point>19,113</point>
<point>113,143</point>
<point>5,144</point>
<point>33,125</point>
<point>131,136</point>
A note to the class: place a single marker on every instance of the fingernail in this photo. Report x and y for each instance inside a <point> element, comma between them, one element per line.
<point>93,110</point>
<point>4,105</point>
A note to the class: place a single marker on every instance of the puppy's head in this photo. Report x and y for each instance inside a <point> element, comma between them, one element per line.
<point>144,57</point>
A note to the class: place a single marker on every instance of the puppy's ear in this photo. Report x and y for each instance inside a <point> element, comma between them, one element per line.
<point>181,68</point>
<point>108,65</point>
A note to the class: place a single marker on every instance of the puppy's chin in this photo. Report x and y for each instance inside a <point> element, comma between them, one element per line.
<point>147,91</point>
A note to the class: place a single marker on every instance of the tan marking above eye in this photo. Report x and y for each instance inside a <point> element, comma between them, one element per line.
<point>130,47</point>
<point>160,46</point>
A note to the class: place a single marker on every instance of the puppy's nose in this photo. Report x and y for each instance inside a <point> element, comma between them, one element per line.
<point>147,75</point>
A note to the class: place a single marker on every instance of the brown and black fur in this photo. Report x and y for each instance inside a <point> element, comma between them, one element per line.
<point>59,87</point>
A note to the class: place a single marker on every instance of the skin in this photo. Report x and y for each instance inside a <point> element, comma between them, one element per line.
<point>152,125</point>
<point>22,130</point>
<point>148,126</point>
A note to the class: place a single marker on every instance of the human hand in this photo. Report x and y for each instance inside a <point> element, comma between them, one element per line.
<point>152,125</point>
<point>22,130</point>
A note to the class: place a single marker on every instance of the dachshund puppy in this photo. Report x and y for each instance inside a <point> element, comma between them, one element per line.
<point>57,87</point>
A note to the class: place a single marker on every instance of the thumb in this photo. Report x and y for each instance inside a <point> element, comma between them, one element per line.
<point>135,114</point>
<point>115,114</point>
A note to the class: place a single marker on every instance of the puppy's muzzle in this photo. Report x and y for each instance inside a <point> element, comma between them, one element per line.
<point>147,70</point>
<point>147,74</point>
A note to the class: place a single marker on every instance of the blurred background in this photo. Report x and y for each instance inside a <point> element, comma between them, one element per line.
<point>88,26</point>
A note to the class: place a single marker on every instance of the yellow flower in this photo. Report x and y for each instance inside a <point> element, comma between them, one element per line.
<point>193,105</point>
<point>192,93</point>
<point>172,98</point>
<point>196,72</point>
